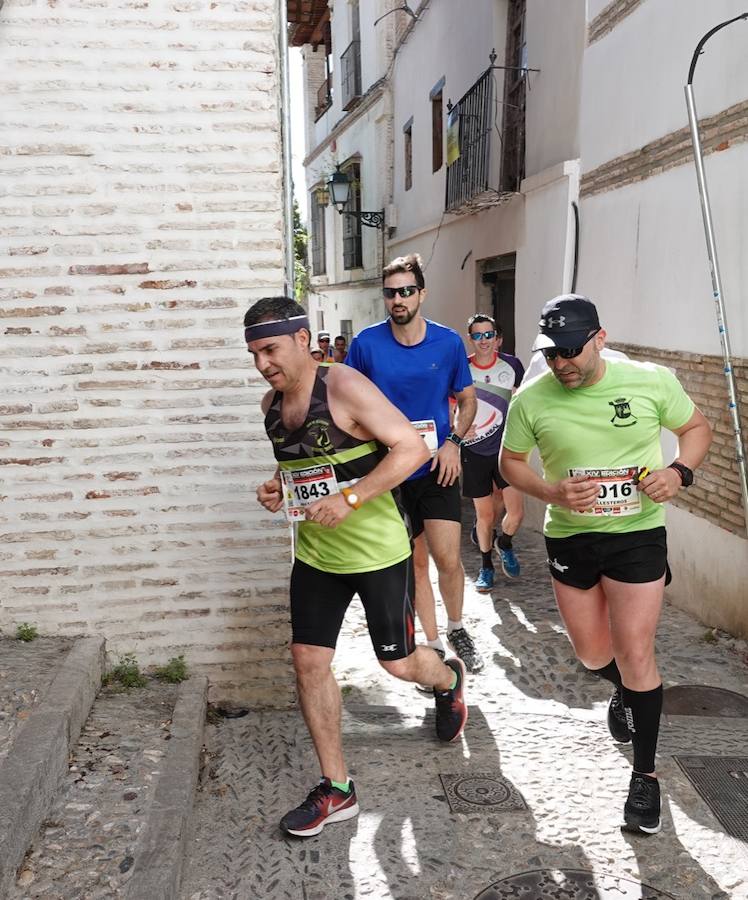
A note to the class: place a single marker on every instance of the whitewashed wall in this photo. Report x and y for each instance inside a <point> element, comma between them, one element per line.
<point>140,215</point>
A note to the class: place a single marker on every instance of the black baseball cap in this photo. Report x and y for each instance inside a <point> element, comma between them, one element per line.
<point>567,321</point>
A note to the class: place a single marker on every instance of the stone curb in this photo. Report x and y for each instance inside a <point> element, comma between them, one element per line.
<point>160,850</point>
<point>32,772</point>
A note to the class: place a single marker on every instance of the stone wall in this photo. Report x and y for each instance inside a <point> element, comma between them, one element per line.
<point>716,493</point>
<point>140,214</point>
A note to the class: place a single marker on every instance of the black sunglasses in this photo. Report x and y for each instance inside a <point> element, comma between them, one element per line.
<point>566,352</point>
<point>407,290</point>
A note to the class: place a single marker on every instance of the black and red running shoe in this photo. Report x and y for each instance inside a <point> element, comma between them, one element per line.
<point>451,709</point>
<point>324,804</point>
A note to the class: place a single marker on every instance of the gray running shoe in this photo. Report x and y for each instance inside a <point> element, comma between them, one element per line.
<point>462,644</point>
<point>429,688</point>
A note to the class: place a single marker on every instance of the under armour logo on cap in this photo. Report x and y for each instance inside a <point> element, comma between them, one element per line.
<point>567,321</point>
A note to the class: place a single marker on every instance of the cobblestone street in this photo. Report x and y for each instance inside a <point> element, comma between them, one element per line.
<point>537,720</point>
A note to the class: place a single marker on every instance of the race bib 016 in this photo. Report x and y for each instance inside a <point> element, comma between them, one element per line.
<point>427,429</point>
<point>303,487</point>
<point>618,495</point>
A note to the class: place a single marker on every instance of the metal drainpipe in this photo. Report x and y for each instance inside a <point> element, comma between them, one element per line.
<point>711,247</point>
<point>285,95</point>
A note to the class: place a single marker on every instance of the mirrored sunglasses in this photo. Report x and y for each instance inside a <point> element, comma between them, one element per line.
<point>482,335</point>
<point>407,290</point>
<point>566,352</point>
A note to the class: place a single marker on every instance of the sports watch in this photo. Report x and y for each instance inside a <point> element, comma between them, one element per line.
<point>351,498</point>
<point>686,474</point>
<point>455,438</point>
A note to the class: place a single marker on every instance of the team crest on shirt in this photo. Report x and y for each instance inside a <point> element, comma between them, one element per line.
<point>622,415</point>
<point>319,437</point>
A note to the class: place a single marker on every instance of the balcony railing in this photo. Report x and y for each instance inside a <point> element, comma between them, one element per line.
<point>324,98</point>
<point>350,74</point>
<point>469,124</point>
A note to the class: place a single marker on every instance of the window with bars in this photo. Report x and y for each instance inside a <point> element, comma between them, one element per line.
<point>352,245</point>
<point>319,246</point>
<point>515,95</point>
<point>437,126</point>
<point>408,153</point>
<point>469,124</point>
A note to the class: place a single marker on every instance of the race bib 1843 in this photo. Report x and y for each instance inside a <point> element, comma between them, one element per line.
<point>305,486</point>
<point>618,495</point>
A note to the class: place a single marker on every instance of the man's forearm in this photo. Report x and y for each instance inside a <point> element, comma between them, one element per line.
<point>399,463</point>
<point>520,475</point>
<point>467,407</point>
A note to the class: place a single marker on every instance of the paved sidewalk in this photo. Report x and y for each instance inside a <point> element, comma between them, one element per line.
<point>537,719</point>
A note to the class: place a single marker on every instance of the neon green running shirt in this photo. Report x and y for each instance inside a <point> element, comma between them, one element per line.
<point>602,430</point>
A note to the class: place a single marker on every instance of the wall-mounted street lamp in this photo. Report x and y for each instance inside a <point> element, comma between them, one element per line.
<point>339,187</point>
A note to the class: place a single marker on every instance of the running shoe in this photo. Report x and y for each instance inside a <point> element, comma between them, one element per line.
<point>642,809</point>
<point>509,562</point>
<point>429,688</point>
<point>462,644</point>
<point>324,804</point>
<point>617,725</point>
<point>484,582</point>
<point>451,709</point>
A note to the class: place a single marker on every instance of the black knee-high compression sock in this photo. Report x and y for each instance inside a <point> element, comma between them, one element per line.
<point>487,560</point>
<point>643,709</point>
<point>609,673</point>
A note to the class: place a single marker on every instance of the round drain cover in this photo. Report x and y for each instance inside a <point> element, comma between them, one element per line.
<point>703,700</point>
<point>481,791</point>
<point>569,884</point>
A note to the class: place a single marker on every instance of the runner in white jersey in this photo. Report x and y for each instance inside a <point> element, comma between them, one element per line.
<point>496,376</point>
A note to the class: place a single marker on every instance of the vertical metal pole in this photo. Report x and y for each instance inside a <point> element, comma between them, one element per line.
<point>724,338</point>
<point>287,174</point>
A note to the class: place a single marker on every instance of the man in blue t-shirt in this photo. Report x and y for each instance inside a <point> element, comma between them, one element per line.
<point>417,364</point>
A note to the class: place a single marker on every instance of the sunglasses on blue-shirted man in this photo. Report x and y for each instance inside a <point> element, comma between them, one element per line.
<point>407,290</point>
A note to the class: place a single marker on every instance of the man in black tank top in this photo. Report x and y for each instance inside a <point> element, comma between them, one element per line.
<point>330,428</point>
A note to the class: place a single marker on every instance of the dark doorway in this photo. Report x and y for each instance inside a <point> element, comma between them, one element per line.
<point>498,275</point>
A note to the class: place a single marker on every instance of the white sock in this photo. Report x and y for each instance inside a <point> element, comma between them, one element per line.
<point>453,626</point>
<point>436,645</point>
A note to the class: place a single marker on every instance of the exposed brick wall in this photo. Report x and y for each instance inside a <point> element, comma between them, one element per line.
<point>718,132</point>
<point>613,14</point>
<point>140,214</point>
<point>715,494</point>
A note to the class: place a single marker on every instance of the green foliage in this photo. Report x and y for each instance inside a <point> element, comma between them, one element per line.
<point>26,632</point>
<point>710,636</point>
<point>174,671</point>
<point>126,673</point>
<point>302,283</point>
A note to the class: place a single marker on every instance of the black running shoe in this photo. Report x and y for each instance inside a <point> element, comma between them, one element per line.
<point>642,809</point>
<point>617,725</point>
<point>451,709</point>
<point>324,804</point>
<point>429,688</point>
<point>462,644</point>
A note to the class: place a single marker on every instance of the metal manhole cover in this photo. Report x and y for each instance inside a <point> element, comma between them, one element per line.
<point>702,700</point>
<point>722,782</point>
<point>569,884</point>
<point>481,790</point>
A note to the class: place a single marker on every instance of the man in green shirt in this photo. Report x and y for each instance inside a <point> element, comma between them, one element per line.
<point>596,424</point>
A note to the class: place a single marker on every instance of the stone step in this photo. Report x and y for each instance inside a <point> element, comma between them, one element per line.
<point>36,761</point>
<point>118,825</point>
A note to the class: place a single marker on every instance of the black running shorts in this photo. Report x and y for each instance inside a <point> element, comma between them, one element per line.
<point>319,601</point>
<point>634,557</point>
<point>424,498</point>
<point>480,474</point>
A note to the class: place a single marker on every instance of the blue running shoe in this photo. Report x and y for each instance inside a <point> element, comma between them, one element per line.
<point>509,563</point>
<point>484,582</point>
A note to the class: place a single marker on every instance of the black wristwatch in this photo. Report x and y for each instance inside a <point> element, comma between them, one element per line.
<point>455,438</point>
<point>686,474</point>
